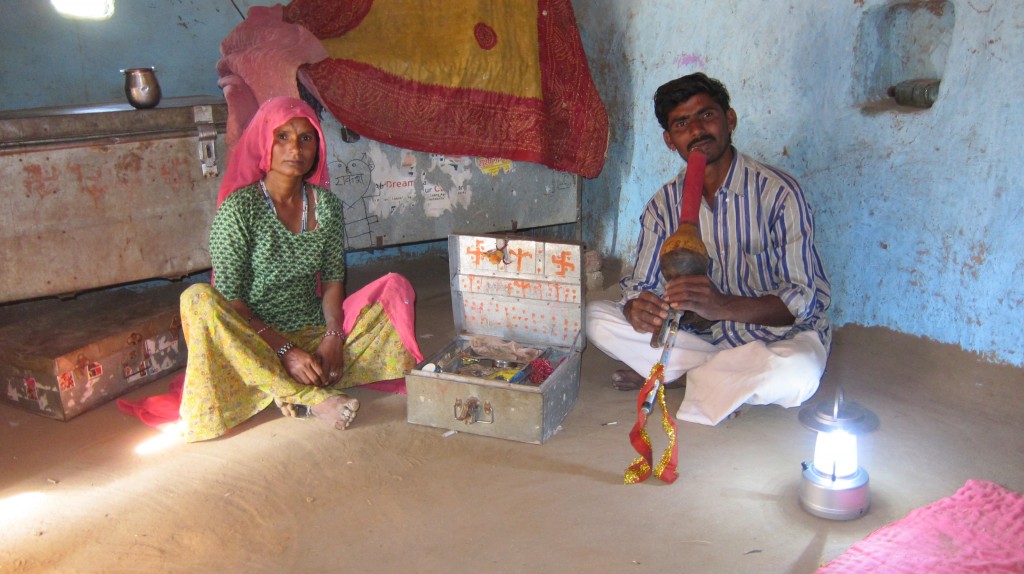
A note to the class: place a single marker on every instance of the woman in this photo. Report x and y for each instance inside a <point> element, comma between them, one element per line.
<point>261,333</point>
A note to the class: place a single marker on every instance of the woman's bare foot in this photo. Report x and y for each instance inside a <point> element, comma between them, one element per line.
<point>292,410</point>
<point>338,411</point>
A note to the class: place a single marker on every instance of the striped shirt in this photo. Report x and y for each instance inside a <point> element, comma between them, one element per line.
<point>760,239</point>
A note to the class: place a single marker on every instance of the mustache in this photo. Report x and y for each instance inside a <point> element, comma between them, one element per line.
<point>707,138</point>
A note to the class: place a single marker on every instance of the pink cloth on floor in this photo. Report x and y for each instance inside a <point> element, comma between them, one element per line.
<point>259,60</point>
<point>393,292</point>
<point>397,297</point>
<point>978,530</point>
<point>158,409</point>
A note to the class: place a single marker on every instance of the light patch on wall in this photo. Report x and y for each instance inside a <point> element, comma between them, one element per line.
<point>86,9</point>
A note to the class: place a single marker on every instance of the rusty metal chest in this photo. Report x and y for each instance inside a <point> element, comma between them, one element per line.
<point>104,195</point>
<point>513,370</point>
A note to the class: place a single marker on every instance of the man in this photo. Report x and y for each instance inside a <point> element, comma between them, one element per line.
<point>765,289</point>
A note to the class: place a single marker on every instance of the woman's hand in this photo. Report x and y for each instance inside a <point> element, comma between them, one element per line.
<point>330,352</point>
<point>304,368</point>
<point>331,356</point>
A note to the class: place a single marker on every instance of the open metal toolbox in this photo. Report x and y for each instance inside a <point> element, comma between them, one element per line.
<point>524,294</point>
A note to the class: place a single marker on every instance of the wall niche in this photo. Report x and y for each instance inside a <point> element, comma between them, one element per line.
<point>901,54</point>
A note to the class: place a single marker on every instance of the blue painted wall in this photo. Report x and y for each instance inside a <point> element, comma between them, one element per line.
<point>50,60</point>
<point>919,213</point>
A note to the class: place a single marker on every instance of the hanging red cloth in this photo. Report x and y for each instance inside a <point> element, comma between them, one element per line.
<point>502,78</point>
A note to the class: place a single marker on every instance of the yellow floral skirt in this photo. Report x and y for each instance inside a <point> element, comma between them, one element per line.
<point>232,373</point>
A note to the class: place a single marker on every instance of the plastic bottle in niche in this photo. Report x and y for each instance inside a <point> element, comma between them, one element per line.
<point>915,93</point>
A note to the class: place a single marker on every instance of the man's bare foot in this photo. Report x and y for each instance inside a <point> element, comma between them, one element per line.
<point>338,411</point>
<point>630,380</point>
<point>627,380</point>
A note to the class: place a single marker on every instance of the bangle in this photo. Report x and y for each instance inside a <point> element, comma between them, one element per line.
<point>333,333</point>
<point>285,348</point>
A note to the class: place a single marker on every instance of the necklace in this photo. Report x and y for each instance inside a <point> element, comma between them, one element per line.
<point>305,204</point>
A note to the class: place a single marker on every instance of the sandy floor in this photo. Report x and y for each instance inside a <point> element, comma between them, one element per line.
<point>286,495</point>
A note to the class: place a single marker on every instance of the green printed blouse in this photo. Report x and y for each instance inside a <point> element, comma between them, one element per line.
<point>257,260</point>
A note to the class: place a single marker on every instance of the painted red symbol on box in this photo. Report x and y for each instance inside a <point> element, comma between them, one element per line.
<point>30,388</point>
<point>66,381</point>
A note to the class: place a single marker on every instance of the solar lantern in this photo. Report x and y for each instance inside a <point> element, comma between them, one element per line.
<point>834,486</point>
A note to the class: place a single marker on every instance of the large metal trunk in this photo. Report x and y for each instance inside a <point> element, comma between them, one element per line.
<point>522,291</point>
<point>107,195</point>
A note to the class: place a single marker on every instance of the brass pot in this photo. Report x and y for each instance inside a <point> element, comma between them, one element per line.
<point>141,87</point>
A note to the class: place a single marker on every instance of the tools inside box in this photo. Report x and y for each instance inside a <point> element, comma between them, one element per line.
<point>497,360</point>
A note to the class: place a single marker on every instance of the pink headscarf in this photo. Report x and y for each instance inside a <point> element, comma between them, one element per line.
<point>250,159</point>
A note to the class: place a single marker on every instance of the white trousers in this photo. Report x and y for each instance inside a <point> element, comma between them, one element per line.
<point>718,380</point>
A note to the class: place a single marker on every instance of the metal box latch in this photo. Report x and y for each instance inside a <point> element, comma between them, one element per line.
<point>470,411</point>
<point>203,116</point>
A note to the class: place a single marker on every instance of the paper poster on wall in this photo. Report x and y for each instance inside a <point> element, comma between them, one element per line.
<point>394,196</point>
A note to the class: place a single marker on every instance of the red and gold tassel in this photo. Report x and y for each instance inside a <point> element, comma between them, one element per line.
<point>641,468</point>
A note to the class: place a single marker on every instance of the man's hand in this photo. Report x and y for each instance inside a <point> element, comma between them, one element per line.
<point>646,313</point>
<point>696,293</point>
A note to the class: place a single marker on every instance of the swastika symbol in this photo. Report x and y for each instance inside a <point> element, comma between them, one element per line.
<point>564,262</point>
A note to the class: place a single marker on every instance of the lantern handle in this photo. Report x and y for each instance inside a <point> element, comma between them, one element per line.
<point>848,416</point>
<point>840,398</point>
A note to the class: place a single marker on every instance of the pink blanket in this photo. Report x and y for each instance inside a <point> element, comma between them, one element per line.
<point>978,530</point>
<point>259,60</point>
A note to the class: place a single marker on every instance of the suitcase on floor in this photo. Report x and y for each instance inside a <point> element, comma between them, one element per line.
<point>60,359</point>
<point>515,294</point>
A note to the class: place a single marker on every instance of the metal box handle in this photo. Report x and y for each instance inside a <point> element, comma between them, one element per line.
<point>469,411</point>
